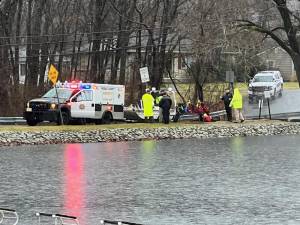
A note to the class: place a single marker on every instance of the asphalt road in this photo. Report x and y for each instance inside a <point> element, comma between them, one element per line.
<point>288,103</point>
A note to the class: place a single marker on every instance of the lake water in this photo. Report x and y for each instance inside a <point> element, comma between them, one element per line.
<point>242,180</point>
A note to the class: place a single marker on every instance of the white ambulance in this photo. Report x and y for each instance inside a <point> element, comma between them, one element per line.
<point>77,102</point>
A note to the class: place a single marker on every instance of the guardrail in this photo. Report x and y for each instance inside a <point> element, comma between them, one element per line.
<point>195,116</point>
<point>118,222</point>
<point>20,120</point>
<point>12,120</point>
<point>58,219</point>
<point>8,215</point>
<point>278,116</point>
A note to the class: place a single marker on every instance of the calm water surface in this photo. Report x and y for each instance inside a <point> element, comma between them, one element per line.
<point>253,180</point>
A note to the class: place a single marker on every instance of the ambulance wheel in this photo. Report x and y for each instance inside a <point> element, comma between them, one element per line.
<point>82,121</point>
<point>107,118</point>
<point>65,117</point>
<point>97,122</point>
<point>32,122</point>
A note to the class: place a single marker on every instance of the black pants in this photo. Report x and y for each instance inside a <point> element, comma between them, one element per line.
<point>201,117</point>
<point>229,113</point>
<point>166,116</point>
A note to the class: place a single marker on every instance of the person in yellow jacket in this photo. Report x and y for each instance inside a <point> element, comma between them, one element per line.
<point>148,103</point>
<point>237,105</point>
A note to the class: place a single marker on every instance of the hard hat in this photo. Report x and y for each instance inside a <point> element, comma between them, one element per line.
<point>170,89</point>
<point>147,90</point>
<point>153,89</point>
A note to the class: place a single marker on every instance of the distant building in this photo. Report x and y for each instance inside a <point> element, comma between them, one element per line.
<point>276,58</point>
<point>294,5</point>
<point>181,59</point>
<point>66,64</point>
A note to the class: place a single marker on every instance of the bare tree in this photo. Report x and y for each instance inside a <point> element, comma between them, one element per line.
<point>285,33</point>
<point>125,11</point>
<point>7,61</point>
<point>33,45</point>
<point>165,14</point>
<point>217,45</point>
<point>99,58</point>
<point>125,35</point>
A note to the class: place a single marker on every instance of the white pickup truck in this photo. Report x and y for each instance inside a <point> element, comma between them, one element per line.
<point>270,81</point>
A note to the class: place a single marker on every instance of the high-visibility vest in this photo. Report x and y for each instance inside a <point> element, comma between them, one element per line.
<point>157,100</point>
<point>148,102</point>
<point>237,100</point>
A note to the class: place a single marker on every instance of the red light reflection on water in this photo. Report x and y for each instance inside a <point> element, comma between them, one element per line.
<point>74,185</point>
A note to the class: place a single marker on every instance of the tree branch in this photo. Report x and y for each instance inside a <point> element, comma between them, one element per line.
<point>246,24</point>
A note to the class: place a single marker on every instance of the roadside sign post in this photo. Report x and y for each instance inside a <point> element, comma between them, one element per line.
<point>144,74</point>
<point>268,96</point>
<point>53,75</point>
<point>269,110</point>
<point>260,105</point>
<point>230,78</point>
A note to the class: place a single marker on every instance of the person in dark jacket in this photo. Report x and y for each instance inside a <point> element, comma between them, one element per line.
<point>226,98</point>
<point>165,104</point>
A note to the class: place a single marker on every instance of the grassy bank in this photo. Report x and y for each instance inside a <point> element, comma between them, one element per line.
<point>291,85</point>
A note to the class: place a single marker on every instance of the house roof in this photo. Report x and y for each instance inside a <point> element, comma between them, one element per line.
<point>270,49</point>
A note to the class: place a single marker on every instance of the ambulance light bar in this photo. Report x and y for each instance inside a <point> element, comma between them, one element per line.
<point>75,85</point>
<point>85,86</point>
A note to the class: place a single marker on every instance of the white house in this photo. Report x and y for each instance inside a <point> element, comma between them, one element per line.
<point>279,59</point>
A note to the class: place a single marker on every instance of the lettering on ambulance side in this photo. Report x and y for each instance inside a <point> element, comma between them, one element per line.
<point>107,88</point>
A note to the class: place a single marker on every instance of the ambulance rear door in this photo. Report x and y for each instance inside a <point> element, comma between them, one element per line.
<point>83,105</point>
<point>119,98</point>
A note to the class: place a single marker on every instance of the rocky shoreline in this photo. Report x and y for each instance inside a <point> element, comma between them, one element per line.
<point>201,131</point>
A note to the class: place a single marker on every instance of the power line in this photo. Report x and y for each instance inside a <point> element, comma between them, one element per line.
<point>103,51</point>
<point>84,33</point>
<point>111,49</point>
<point>84,40</point>
<point>73,41</point>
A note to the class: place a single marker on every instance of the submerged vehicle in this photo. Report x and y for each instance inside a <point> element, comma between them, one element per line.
<point>136,112</point>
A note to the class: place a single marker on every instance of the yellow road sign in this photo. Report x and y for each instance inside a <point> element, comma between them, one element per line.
<point>53,74</point>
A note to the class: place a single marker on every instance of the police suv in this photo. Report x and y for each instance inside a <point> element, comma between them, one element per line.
<point>270,81</point>
<point>79,102</point>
